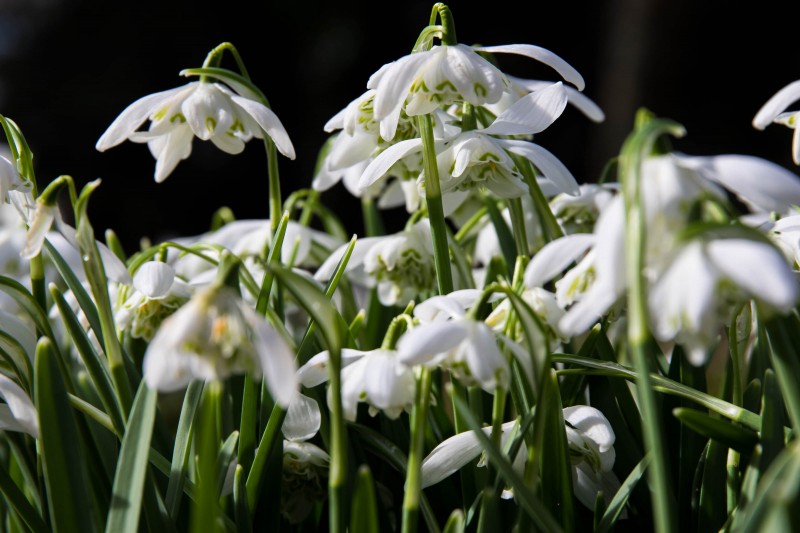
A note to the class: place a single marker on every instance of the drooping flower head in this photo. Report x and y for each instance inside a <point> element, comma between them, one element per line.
<point>774,110</point>
<point>209,111</point>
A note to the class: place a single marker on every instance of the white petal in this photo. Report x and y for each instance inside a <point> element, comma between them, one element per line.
<point>758,268</point>
<point>547,163</point>
<point>591,424</point>
<point>154,279</point>
<point>42,221</point>
<point>381,164</point>
<point>468,71</point>
<point>424,342</point>
<point>483,357</point>
<point>539,54</point>
<point>532,113</point>
<point>303,419</point>
<point>760,183</point>
<point>450,456</point>
<point>269,122</point>
<point>134,116</point>
<point>21,406</point>
<point>315,371</point>
<point>230,144</point>
<point>395,81</point>
<point>796,146</point>
<point>177,146</point>
<point>775,105</point>
<point>555,256</point>
<point>276,358</point>
<point>581,102</point>
<point>581,316</point>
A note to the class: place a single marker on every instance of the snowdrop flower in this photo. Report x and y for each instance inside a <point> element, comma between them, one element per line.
<point>209,111</point>
<point>423,81</point>
<point>213,336</point>
<point>400,265</point>
<point>521,87</point>
<point>478,158</point>
<point>578,214</point>
<point>18,413</point>
<point>158,294</point>
<point>465,346</point>
<point>376,377</point>
<point>590,439</point>
<point>785,233</point>
<point>692,297</point>
<point>775,111</point>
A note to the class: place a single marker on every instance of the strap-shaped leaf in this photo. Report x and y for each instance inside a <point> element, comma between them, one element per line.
<point>556,466</point>
<point>63,463</point>
<point>736,437</point>
<point>131,471</point>
<point>620,499</point>
<point>180,451</point>
<point>364,513</point>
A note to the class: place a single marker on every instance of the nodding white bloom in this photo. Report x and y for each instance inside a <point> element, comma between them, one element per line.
<point>692,297</point>
<point>209,111</point>
<point>376,377</point>
<point>465,346</point>
<point>478,158</point>
<point>578,214</point>
<point>785,233</point>
<point>213,336</point>
<point>775,111</point>
<point>10,180</point>
<point>18,413</point>
<point>590,438</point>
<point>400,265</point>
<point>157,294</point>
<point>521,87</point>
<point>423,81</point>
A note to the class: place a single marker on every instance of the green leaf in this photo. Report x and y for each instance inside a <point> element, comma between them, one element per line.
<point>455,524</point>
<point>555,463</point>
<point>94,365</point>
<point>126,499</point>
<point>783,355</point>
<point>620,499</point>
<point>712,506</point>
<point>226,455</point>
<point>772,419</point>
<point>732,436</point>
<point>62,461</point>
<point>180,452</point>
<point>19,503</point>
<point>364,513</point>
<point>242,512</point>
<point>272,259</point>
<point>504,236</point>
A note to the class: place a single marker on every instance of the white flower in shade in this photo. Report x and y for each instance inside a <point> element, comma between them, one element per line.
<point>10,180</point>
<point>465,346</point>
<point>157,294</point>
<point>479,159</point>
<point>376,377</point>
<point>578,214</point>
<point>421,82</point>
<point>18,413</point>
<point>209,111</point>
<point>590,438</point>
<point>775,111</point>
<point>785,233</point>
<point>213,336</point>
<point>400,265</point>
<point>692,297</point>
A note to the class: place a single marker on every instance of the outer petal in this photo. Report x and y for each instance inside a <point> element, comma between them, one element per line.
<point>425,342</point>
<point>539,54</point>
<point>230,144</point>
<point>303,419</point>
<point>315,371</point>
<point>796,146</point>
<point>134,116</point>
<point>42,221</point>
<point>154,279</point>
<point>758,268</point>
<point>20,405</point>
<point>775,105</point>
<point>269,122</point>
<point>591,424</point>
<point>531,113</point>
<point>468,71</point>
<point>761,183</point>
<point>545,161</point>
<point>555,256</point>
<point>393,81</point>
<point>276,358</point>
<point>381,164</point>
<point>174,147</point>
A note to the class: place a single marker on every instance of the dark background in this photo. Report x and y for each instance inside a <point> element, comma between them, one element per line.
<point>69,67</point>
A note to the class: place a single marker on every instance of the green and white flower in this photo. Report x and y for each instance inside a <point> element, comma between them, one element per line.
<point>209,111</point>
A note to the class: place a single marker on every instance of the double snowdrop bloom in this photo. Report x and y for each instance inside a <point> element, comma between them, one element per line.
<point>375,377</point>
<point>400,265</point>
<point>213,336</point>
<point>209,111</point>
<point>157,294</point>
<point>478,158</point>
<point>423,81</point>
<point>695,293</point>
<point>775,111</point>
<point>591,445</point>
<point>453,340</point>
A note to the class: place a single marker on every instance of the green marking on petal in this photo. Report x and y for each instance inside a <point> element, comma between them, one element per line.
<point>480,90</point>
